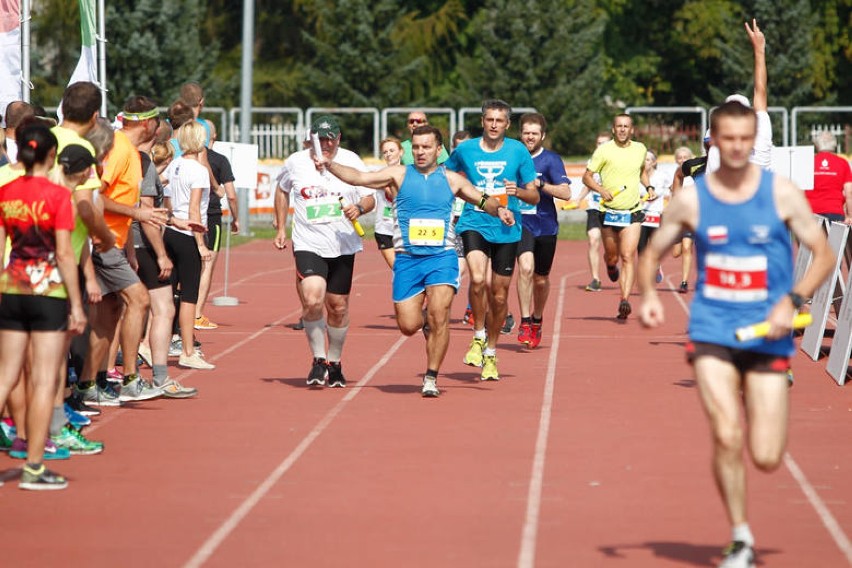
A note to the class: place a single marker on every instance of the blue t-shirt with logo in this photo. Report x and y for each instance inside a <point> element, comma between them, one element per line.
<point>541,219</point>
<point>487,171</point>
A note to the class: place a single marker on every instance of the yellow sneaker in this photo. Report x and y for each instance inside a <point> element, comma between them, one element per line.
<point>202,322</point>
<point>473,357</point>
<point>489,369</point>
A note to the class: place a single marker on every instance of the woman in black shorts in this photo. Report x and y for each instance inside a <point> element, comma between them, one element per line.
<point>40,291</point>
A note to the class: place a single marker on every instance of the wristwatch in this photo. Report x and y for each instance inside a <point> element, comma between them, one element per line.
<point>796,299</point>
<point>360,209</point>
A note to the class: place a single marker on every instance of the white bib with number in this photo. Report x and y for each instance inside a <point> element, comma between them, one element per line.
<point>615,218</point>
<point>322,210</point>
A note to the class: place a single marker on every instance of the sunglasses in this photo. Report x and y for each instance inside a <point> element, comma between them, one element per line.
<point>416,121</point>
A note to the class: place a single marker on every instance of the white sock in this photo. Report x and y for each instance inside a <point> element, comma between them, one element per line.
<point>490,351</point>
<point>336,337</point>
<point>479,333</point>
<point>315,331</point>
<point>743,534</point>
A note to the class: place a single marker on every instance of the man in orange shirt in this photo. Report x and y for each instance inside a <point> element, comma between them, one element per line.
<point>120,286</point>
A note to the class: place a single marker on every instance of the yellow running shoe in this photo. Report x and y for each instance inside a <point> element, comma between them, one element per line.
<point>473,357</point>
<point>489,368</point>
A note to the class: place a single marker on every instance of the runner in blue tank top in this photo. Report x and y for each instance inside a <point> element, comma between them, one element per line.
<point>740,216</point>
<point>502,168</point>
<point>425,265</point>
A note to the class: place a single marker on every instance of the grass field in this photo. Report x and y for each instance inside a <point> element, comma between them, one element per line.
<point>568,231</point>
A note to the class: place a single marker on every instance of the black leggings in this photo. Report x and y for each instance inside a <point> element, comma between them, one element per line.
<point>186,274</point>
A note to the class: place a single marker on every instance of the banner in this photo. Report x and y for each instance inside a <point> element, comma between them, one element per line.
<point>10,53</point>
<point>87,66</point>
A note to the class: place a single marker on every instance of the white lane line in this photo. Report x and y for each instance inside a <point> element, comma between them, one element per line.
<point>529,533</point>
<point>209,547</point>
<point>822,511</point>
<point>828,520</point>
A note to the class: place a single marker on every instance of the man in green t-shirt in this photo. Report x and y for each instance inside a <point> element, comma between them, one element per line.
<point>418,118</point>
<point>620,163</point>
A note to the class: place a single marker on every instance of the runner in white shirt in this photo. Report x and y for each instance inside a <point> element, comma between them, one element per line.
<point>324,244</point>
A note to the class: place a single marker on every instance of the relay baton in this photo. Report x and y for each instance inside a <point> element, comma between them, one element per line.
<point>569,205</point>
<point>358,228</point>
<point>756,330</point>
<point>316,143</point>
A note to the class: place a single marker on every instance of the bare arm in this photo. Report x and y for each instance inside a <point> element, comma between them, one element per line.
<point>847,202</point>
<point>154,216</point>
<point>282,208</point>
<point>92,218</point>
<point>233,206</point>
<point>195,215</point>
<point>559,191</point>
<point>589,181</point>
<point>464,189</point>
<point>758,42</point>
<point>67,264</point>
<point>390,176</point>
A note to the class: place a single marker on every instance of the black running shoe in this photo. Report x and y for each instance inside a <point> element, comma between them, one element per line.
<point>75,401</point>
<point>624,309</point>
<point>318,374</point>
<point>613,273</point>
<point>335,375</point>
<point>684,287</point>
<point>508,325</point>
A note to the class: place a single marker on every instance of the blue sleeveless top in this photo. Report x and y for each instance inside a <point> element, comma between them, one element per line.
<point>422,211</point>
<point>745,266</point>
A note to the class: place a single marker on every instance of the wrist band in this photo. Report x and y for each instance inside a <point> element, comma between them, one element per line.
<point>482,202</point>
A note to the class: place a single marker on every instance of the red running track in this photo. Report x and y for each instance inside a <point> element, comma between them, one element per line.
<point>591,451</point>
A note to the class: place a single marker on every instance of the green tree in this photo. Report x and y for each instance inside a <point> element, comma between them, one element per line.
<point>154,47</point>
<point>545,54</point>
<point>54,48</point>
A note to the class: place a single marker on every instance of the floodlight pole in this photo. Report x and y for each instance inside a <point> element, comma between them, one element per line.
<point>246,80</point>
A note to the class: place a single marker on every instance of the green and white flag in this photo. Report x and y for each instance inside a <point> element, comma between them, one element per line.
<point>10,53</point>
<point>87,66</point>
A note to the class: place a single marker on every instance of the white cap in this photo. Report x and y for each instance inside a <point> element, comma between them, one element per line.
<point>743,100</point>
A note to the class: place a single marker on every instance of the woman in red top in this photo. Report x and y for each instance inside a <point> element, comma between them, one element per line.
<point>40,291</point>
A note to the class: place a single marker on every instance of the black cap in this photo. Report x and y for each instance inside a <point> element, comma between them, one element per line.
<point>75,159</point>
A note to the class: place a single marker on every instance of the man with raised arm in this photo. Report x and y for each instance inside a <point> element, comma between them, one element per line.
<point>425,265</point>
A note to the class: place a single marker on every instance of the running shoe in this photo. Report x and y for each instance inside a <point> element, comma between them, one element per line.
<point>75,402</point>
<point>467,318</point>
<point>41,479</point>
<point>173,389</point>
<point>136,389</point>
<point>489,369</point>
<point>176,348</point>
<point>535,335</point>
<point>299,325</point>
<point>508,325</point>
<point>78,445</point>
<point>97,396</point>
<point>51,452</point>
<point>594,285</point>
<point>613,273</point>
<point>335,375</point>
<point>430,387</point>
<point>76,419</point>
<point>624,309</point>
<point>659,274</point>
<point>145,354</point>
<point>195,361</point>
<point>114,376</point>
<point>684,287</point>
<point>202,322</point>
<point>5,441</point>
<point>473,357</point>
<point>789,377</point>
<point>738,554</point>
<point>319,372</point>
<point>525,333</point>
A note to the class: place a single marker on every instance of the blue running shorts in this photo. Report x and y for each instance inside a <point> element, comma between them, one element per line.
<point>412,274</point>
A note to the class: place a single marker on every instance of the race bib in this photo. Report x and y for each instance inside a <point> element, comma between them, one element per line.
<point>527,208</point>
<point>458,206</point>
<point>651,219</point>
<point>322,210</point>
<point>735,278</point>
<point>387,212</point>
<point>614,218</point>
<point>426,232</point>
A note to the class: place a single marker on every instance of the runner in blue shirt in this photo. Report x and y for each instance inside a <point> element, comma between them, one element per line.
<point>502,168</point>
<point>540,229</point>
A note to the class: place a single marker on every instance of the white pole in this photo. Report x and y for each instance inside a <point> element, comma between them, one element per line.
<point>101,39</point>
<point>225,299</point>
<point>26,85</point>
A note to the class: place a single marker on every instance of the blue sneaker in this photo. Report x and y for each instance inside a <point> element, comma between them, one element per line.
<point>76,419</point>
<point>51,452</point>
